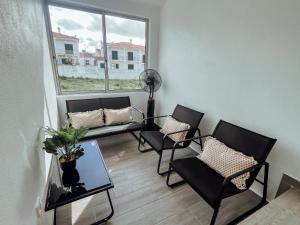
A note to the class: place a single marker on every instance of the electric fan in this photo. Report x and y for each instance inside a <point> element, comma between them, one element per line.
<point>150,81</point>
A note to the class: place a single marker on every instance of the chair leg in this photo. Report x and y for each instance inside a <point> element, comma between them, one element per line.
<point>214,217</point>
<point>200,139</point>
<point>139,146</point>
<point>159,164</point>
<point>262,203</point>
<point>168,179</point>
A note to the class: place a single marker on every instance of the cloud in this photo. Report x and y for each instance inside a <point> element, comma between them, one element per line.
<point>69,24</point>
<point>92,42</point>
<point>123,27</point>
<point>126,27</point>
<point>96,24</point>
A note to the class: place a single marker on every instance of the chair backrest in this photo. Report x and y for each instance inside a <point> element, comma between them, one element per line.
<point>245,141</point>
<point>189,116</point>
<point>83,105</point>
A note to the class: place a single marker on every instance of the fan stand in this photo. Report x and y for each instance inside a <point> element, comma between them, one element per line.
<point>150,113</point>
<point>150,109</point>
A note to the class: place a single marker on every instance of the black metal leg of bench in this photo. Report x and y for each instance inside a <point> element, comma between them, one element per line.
<point>135,136</point>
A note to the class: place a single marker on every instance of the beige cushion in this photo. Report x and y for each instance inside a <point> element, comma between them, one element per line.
<point>89,119</point>
<point>226,161</point>
<point>118,116</point>
<point>173,125</point>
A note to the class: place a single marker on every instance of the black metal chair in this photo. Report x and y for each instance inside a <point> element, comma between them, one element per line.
<point>160,142</point>
<point>210,185</point>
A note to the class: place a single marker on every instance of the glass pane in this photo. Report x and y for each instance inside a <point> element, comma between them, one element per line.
<point>78,46</point>
<point>126,52</point>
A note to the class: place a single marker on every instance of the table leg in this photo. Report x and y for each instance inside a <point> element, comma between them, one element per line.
<point>111,213</point>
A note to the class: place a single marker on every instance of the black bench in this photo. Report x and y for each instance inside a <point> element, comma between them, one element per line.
<point>83,105</point>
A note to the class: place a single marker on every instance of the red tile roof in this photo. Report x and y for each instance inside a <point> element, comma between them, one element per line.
<point>60,35</point>
<point>86,55</point>
<point>127,45</point>
<point>99,58</point>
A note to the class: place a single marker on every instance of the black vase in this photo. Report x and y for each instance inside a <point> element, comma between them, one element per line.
<point>70,178</point>
<point>68,166</point>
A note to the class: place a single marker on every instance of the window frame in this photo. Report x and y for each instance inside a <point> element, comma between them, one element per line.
<point>114,53</point>
<point>69,49</point>
<point>130,66</point>
<point>131,56</point>
<point>103,13</point>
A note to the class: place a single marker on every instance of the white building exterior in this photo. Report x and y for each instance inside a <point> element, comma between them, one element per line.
<point>125,59</point>
<point>126,56</point>
<point>66,49</point>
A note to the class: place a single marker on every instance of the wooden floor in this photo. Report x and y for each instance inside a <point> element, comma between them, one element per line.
<point>141,197</point>
<point>283,210</point>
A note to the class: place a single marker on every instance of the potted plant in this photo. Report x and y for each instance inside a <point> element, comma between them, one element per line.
<point>63,142</point>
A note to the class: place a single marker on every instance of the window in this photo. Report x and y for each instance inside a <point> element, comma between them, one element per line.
<point>83,62</point>
<point>128,41</point>
<point>115,66</point>
<point>114,55</point>
<point>130,56</point>
<point>130,67</point>
<point>69,49</point>
<point>66,61</point>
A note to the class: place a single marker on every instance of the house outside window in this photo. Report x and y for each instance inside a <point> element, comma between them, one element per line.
<point>81,56</point>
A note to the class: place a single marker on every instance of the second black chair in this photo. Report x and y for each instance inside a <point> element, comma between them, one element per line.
<point>160,142</point>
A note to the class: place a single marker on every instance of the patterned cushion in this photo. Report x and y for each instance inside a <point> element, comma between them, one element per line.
<point>118,116</point>
<point>226,161</point>
<point>173,125</point>
<point>89,119</point>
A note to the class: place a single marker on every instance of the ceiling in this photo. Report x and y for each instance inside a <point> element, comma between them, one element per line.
<point>151,2</point>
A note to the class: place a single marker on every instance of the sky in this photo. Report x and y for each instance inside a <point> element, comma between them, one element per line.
<point>88,28</point>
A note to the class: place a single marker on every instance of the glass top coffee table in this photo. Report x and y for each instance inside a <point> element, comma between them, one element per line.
<point>89,178</point>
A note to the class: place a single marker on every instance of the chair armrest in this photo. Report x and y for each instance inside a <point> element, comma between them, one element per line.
<point>228,179</point>
<point>154,117</point>
<point>139,111</point>
<point>191,139</point>
<point>250,169</point>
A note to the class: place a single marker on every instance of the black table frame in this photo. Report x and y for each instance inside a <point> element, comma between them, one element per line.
<point>105,219</point>
<point>90,193</point>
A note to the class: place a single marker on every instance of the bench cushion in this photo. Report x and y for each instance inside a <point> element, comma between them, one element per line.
<point>114,129</point>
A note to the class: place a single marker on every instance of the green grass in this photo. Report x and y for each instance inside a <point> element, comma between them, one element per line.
<point>85,84</point>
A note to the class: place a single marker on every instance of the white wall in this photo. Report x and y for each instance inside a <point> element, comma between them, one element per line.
<point>22,165</point>
<point>152,12</point>
<point>237,61</point>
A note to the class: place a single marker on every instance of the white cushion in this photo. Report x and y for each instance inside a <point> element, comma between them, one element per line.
<point>172,125</point>
<point>226,161</point>
<point>118,116</point>
<point>89,119</point>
